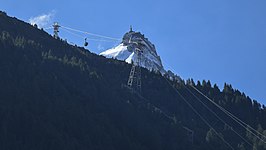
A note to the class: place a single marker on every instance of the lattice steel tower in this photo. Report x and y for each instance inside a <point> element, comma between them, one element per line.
<point>56,30</point>
<point>134,80</point>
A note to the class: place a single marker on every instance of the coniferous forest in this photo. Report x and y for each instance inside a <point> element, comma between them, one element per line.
<point>59,96</point>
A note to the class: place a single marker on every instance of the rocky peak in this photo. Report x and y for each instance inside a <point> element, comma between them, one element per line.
<point>126,51</point>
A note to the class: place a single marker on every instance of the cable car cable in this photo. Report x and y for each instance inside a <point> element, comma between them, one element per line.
<point>93,34</point>
<point>216,115</point>
<point>88,39</point>
<point>239,121</point>
<point>201,117</point>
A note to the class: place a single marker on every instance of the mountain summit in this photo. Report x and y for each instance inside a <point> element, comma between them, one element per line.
<point>126,51</point>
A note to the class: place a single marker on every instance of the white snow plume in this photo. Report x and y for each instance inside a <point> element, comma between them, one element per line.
<point>42,20</point>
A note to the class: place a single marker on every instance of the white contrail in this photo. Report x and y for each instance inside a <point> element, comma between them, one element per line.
<point>42,20</point>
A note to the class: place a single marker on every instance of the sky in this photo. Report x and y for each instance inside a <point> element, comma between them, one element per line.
<point>217,40</point>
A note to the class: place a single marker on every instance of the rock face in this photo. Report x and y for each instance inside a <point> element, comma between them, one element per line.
<point>126,51</point>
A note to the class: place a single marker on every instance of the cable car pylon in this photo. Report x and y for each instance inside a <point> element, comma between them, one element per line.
<point>134,80</point>
<point>56,30</point>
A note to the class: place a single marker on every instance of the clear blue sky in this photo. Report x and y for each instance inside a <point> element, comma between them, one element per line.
<point>219,40</point>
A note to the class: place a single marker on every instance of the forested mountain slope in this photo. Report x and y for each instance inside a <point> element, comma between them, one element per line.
<point>57,96</point>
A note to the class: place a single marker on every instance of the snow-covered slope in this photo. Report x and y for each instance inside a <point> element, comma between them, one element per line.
<point>126,51</point>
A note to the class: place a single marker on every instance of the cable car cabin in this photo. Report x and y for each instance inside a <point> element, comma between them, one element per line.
<point>86,43</point>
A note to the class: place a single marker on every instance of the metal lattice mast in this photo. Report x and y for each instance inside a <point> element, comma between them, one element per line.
<point>134,80</point>
<point>56,30</point>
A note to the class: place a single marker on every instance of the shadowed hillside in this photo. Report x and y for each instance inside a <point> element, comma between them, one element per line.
<point>57,96</point>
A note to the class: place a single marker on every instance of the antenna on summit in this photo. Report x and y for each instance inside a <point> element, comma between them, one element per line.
<point>130,29</point>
